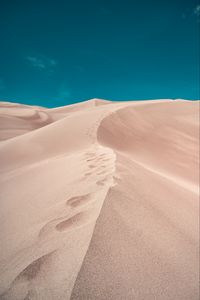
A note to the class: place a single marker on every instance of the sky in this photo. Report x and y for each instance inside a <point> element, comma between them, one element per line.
<point>55,53</point>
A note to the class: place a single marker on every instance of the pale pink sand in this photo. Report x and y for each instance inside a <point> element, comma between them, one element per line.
<point>99,201</point>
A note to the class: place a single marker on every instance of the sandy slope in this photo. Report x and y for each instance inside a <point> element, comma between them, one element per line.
<point>99,200</point>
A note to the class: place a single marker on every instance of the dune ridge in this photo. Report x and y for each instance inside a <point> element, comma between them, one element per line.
<point>99,200</point>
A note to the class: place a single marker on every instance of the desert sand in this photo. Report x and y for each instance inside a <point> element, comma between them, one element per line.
<point>99,201</point>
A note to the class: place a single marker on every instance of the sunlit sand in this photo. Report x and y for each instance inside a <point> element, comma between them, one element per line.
<point>99,201</point>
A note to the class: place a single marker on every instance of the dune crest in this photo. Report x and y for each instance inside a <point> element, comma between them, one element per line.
<point>99,200</point>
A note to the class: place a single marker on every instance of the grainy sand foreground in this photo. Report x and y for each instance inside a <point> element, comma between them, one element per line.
<point>99,201</point>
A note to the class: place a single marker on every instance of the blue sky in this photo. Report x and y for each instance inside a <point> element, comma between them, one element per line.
<point>58,52</point>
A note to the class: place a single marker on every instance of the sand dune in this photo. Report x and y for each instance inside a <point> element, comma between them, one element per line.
<point>99,200</point>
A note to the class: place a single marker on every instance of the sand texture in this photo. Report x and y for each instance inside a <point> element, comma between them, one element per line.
<point>99,201</point>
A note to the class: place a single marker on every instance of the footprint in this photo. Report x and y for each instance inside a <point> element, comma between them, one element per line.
<point>91,159</point>
<point>101,182</point>
<point>101,173</point>
<point>101,163</point>
<point>106,159</point>
<point>33,269</point>
<point>25,276</point>
<point>76,221</point>
<point>117,179</point>
<point>92,166</point>
<point>108,180</point>
<point>87,174</point>
<point>72,203</point>
<point>79,200</point>
<point>90,154</point>
<point>47,230</point>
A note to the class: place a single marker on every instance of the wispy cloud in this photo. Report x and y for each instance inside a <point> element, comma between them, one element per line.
<point>197,11</point>
<point>36,62</point>
<point>52,62</point>
<point>41,62</point>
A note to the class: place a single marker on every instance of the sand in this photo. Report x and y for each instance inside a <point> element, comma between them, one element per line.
<point>99,200</point>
